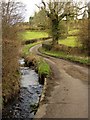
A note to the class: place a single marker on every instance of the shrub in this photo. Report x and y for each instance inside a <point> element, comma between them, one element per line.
<point>31,60</point>
<point>84,36</point>
<point>47,45</point>
<point>10,75</point>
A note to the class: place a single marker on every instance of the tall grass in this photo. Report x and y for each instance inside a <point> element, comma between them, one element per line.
<point>10,56</point>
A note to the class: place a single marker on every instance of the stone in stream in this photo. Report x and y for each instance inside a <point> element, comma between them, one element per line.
<point>18,108</point>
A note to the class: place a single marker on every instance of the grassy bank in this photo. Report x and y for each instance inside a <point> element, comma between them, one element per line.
<point>39,63</point>
<point>43,67</point>
<point>27,35</point>
<point>25,49</point>
<point>63,55</point>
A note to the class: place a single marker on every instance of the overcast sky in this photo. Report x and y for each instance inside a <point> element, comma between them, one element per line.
<point>31,7</point>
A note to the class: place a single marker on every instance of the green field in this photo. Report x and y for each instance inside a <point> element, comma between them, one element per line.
<point>73,32</point>
<point>27,35</point>
<point>72,39</point>
<point>69,41</point>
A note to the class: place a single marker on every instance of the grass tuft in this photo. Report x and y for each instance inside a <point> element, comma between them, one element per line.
<point>43,68</point>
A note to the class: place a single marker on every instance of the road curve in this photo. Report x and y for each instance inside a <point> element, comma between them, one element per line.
<point>67,90</point>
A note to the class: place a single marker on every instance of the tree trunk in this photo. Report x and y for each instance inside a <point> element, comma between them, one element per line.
<point>55,32</point>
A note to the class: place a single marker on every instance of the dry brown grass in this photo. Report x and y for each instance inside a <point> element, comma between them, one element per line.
<point>10,82</point>
<point>84,37</point>
<point>10,65</point>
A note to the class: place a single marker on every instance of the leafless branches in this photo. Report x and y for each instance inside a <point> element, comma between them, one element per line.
<point>12,12</point>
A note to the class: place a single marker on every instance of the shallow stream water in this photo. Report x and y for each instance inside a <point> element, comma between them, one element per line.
<point>30,92</point>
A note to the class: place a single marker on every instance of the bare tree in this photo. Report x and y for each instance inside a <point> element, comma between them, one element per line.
<point>12,12</point>
<point>57,11</point>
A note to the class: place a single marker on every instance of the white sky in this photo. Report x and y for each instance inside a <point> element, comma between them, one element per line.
<point>31,7</point>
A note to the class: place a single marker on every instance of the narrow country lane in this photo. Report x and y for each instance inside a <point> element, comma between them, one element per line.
<point>66,92</point>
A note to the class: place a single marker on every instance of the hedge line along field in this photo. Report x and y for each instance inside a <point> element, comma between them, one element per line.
<point>58,54</point>
<point>69,41</point>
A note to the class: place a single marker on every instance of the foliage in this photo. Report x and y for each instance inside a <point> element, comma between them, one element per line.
<point>40,21</point>
<point>43,68</point>
<point>10,78</point>
<point>56,11</point>
<point>63,55</point>
<point>83,37</point>
<point>11,15</point>
<point>62,30</point>
<point>47,45</point>
<point>40,64</point>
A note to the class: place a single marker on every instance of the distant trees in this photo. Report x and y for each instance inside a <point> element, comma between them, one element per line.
<point>40,20</point>
<point>57,11</point>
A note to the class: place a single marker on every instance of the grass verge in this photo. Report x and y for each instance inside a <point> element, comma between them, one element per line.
<point>43,67</point>
<point>40,64</point>
<point>63,55</point>
<point>25,50</point>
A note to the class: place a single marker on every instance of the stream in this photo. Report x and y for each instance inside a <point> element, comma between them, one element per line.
<point>30,92</point>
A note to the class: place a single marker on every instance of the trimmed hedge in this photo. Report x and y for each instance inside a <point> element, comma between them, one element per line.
<point>34,40</point>
<point>64,48</point>
<point>47,45</point>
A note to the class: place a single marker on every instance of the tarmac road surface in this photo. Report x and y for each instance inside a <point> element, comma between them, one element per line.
<point>66,92</point>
